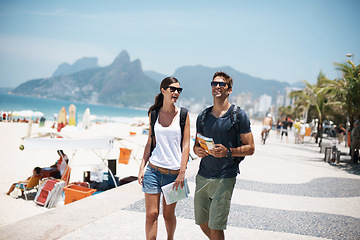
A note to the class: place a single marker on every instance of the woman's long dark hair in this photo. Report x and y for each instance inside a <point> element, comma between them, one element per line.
<point>159,99</point>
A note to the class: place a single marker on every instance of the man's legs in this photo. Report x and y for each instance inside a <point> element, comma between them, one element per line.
<point>212,234</point>
<point>212,205</point>
<point>11,189</point>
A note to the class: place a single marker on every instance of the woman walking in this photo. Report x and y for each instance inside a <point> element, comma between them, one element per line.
<point>166,155</point>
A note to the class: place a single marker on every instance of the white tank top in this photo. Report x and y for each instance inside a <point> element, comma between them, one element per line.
<point>167,152</point>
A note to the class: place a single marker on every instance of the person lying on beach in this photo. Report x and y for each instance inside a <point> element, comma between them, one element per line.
<point>36,173</point>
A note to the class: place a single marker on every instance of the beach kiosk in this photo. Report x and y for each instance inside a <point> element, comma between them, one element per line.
<point>95,144</point>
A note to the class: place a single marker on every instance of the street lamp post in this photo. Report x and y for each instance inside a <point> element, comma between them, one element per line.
<point>350,55</point>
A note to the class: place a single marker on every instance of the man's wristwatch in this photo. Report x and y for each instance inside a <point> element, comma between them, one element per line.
<point>228,154</point>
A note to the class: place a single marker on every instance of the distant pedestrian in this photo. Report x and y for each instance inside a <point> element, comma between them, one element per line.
<point>297,124</point>
<point>285,126</point>
<point>302,131</point>
<point>355,142</point>
<point>278,128</point>
<point>340,131</point>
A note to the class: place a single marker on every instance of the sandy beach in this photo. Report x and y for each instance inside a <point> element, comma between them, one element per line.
<point>17,165</point>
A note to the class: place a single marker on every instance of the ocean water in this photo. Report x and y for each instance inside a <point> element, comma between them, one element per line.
<point>49,107</point>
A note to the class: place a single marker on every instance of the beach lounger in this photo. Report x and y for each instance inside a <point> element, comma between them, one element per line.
<point>31,185</point>
<point>49,192</point>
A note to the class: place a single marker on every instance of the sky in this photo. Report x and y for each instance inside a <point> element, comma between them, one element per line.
<point>285,40</point>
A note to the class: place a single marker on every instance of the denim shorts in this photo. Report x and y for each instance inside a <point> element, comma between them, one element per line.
<point>154,180</point>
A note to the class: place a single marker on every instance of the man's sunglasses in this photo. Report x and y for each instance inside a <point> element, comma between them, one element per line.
<point>221,84</point>
<point>173,89</point>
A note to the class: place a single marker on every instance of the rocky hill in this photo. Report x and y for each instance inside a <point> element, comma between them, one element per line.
<point>196,82</point>
<point>79,65</point>
<point>122,83</point>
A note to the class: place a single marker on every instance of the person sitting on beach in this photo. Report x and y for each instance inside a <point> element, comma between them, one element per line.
<point>36,173</point>
<point>61,163</point>
<point>167,161</point>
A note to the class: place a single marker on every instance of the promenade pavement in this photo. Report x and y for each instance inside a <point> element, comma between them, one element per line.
<point>285,191</point>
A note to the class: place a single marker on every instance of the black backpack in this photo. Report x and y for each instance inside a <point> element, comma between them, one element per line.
<point>154,114</point>
<point>234,116</point>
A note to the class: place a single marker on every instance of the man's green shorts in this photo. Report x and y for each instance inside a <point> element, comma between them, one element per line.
<point>212,201</point>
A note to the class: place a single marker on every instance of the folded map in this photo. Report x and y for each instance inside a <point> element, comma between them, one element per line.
<point>205,142</point>
<point>171,195</point>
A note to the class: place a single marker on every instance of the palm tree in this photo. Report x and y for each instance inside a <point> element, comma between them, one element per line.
<point>287,111</point>
<point>313,95</point>
<point>345,92</point>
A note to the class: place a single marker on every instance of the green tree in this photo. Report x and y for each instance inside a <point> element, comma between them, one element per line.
<point>287,111</point>
<point>344,93</point>
<point>313,95</point>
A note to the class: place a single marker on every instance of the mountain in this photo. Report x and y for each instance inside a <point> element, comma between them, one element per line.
<point>122,83</point>
<point>195,81</point>
<point>155,75</point>
<point>299,84</point>
<point>79,65</point>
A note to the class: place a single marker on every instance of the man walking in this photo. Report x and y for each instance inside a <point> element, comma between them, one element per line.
<point>229,127</point>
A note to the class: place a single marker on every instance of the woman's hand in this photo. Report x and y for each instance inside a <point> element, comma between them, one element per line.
<point>179,181</point>
<point>141,176</point>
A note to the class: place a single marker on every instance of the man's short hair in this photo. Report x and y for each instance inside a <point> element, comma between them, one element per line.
<point>226,77</point>
<point>37,170</point>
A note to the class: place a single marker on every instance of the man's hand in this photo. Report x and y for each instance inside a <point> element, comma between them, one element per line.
<point>200,152</point>
<point>219,151</point>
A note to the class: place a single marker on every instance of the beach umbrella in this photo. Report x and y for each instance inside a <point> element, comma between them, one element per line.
<point>23,113</point>
<point>38,114</point>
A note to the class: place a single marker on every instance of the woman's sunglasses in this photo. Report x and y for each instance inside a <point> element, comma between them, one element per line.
<point>221,84</point>
<point>173,89</point>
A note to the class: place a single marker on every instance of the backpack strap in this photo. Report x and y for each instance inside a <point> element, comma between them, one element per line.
<point>154,114</point>
<point>183,116</point>
<point>235,122</point>
<point>203,117</point>
<point>234,116</point>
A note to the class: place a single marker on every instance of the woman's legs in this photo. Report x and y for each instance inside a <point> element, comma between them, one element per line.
<point>152,205</point>
<point>169,218</point>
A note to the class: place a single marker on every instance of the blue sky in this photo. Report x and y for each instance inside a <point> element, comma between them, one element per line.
<point>283,40</point>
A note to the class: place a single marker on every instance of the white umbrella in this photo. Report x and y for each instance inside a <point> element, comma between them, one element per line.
<point>38,114</point>
<point>23,113</point>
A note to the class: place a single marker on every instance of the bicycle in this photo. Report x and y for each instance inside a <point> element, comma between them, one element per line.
<point>264,136</point>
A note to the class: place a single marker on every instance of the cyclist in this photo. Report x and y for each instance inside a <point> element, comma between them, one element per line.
<point>266,125</point>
